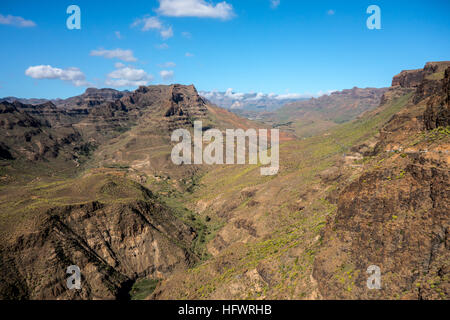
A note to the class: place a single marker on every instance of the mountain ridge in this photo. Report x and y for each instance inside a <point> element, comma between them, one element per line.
<point>360,192</point>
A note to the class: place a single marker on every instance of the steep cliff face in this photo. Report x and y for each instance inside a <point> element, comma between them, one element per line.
<point>113,244</point>
<point>153,113</point>
<point>415,78</point>
<point>90,98</point>
<point>31,136</point>
<point>395,215</point>
<point>408,78</point>
<point>437,113</point>
<point>98,118</point>
<point>162,108</point>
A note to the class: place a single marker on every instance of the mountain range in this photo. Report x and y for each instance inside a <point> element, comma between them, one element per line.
<point>363,181</point>
<point>253,102</point>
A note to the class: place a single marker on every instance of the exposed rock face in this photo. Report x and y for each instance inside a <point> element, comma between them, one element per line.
<point>117,240</point>
<point>48,113</point>
<point>414,78</point>
<point>104,94</point>
<point>5,153</point>
<point>408,78</point>
<point>187,98</point>
<point>392,210</point>
<point>437,113</point>
<point>91,97</point>
<point>396,214</point>
<point>26,136</point>
<point>24,101</point>
<point>169,107</point>
<point>99,115</point>
<point>356,92</point>
<point>113,245</point>
<point>400,226</point>
<point>12,117</point>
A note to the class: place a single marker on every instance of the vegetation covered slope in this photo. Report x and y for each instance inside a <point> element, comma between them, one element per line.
<point>88,206</point>
<point>314,116</point>
<point>281,236</point>
<point>396,214</point>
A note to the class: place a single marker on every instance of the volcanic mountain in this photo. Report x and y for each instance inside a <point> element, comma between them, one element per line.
<point>370,192</point>
<point>74,179</point>
<point>89,182</point>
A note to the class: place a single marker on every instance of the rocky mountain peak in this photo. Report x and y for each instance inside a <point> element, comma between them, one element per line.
<point>105,93</point>
<point>413,78</point>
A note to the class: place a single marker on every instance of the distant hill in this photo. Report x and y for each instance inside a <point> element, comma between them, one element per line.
<point>89,97</point>
<point>24,101</point>
<point>254,102</point>
<point>309,117</point>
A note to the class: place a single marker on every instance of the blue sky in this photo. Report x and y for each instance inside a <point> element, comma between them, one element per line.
<point>293,47</point>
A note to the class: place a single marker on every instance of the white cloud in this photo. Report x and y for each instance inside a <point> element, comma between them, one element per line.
<point>72,75</point>
<point>125,55</point>
<point>167,33</point>
<point>128,77</point>
<point>259,96</point>
<point>186,35</point>
<point>209,95</point>
<point>239,98</point>
<point>235,96</point>
<point>166,75</point>
<point>195,8</point>
<point>295,96</point>
<point>118,35</point>
<point>189,55</point>
<point>16,21</point>
<point>148,23</point>
<point>119,65</point>
<point>274,4</point>
<point>162,46</point>
<point>168,65</point>
<point>153,23</point>
<point>237,105</point>
<point>330,12</point>
<point>289,96</point>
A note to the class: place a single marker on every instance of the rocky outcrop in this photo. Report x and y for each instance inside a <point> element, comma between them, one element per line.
<point>99,115</point>
<point>414,78</point>
<point>395,215</point>
<point>112,244</point>
<point>398,224</point>
<point>437,113</point>
<point>408,78</point>
<point>32,137</point>
<point>114,239</point>
<point>91,97</point>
